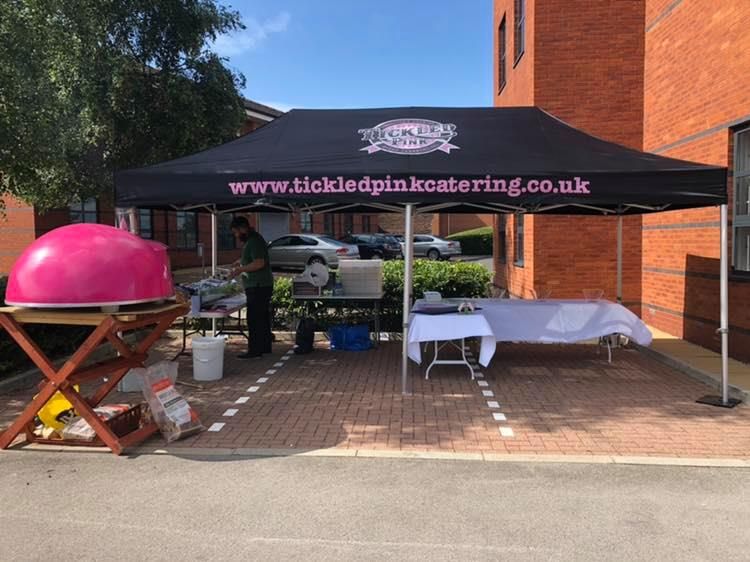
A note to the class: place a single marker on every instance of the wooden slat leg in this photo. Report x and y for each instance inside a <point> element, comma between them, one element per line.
<point>87,412</point>
<point>27,416</point>
<point>106,388</point>
<point>85,350</point>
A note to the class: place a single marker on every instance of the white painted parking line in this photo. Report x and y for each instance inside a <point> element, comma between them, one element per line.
<point>278,364</point>
<point>493,404</point>
<point>483,383</point>
<point>216,426</point>
<point>478,375</point>
<point>498,416</point>
<point>271,372</point>
<point>506,432</point>
<point>230,412</point>
<point>253,389</point>
<point>242,400</point>
<point>286,358</point>
<point>488,393</point>
<point>261,380</point>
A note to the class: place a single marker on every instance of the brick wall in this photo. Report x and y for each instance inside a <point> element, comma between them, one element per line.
<point>697,75</point>
<point>583,62</point>
<point>450,223</point>
<point>394,223</point>
<point>16,231</point>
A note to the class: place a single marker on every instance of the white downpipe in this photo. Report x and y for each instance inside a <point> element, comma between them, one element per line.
<point>408,265</point>
<point>135,227</point>
<point>214,258</point>
<point>619,259</point>
<point>724,298</point>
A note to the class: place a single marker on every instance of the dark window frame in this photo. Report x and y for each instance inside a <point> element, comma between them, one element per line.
<point>366,223</point>
<point>328,226</point>
<point>740,221</point>
<point>519,228</point>
<point>148,233</point>
<point>87,216</point>
<point>182,241</point>
<point>348,223</point>
<point>225,240</point>
<point>519,30</point>
<point>306,222</point>
<point>502,69</point>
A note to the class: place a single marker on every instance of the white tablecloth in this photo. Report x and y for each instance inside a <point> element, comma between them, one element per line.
<point>560,321</point>
<point>444,327</point>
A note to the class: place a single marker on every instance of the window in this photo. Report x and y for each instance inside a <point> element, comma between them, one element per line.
<point>348,223</point>
<point>519,21</point>
<point>501,75</point>
<point>328,223</point>
<point>146,223</point>
<point>366,223</point>
<point>518,224</point>
<point>502,221</point>
<point>84,211</point>
<point>186,235</point>
<point>741,222</point>
<point>422,239</point>
<point>283,241</point>
<point>224,236</point>
<point>305,222</point>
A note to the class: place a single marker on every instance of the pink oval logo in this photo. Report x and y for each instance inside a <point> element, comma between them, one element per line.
<point>410,136</point>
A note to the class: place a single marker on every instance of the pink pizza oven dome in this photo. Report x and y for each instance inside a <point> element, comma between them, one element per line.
<point>89,265</point>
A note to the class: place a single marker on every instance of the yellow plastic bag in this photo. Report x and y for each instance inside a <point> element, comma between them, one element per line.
<point>57,411</point>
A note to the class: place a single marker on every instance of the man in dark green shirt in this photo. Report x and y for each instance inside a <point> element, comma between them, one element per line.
<point>255,270</point>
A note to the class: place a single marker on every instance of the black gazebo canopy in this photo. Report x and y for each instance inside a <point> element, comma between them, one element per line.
<point>518,159</point>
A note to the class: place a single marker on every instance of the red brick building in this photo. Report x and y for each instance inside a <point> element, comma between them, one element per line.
<point>183,232</point>
<point>665,76</point>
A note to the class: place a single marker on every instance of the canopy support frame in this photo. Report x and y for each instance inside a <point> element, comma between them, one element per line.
<point>408,265</point>
<point>723,401</point>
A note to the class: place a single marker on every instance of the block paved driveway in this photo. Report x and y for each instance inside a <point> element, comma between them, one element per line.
<point>533,399</point>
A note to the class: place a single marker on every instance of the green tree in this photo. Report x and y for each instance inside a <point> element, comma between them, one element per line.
<point>88,87</point>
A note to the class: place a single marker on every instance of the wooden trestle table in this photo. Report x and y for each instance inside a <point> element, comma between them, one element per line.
<point>108,327</point>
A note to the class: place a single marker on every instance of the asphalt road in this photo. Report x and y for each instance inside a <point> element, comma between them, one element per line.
<point>98,507</point>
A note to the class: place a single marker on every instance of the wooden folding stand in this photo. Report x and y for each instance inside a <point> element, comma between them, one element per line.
<point>108,327</point>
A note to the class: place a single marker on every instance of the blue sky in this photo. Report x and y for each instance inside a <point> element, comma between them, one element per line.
<point>353,53</point>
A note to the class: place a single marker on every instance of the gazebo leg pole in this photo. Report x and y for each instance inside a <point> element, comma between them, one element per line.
<point>724,400</point>
<point>619,259</point>
<point>408,264</point>
<point>724,297</point>
<point>214,258</point>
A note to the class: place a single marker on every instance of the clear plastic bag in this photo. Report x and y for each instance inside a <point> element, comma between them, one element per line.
<point>171,412</point>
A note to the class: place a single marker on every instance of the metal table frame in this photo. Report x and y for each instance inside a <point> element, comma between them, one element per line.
<point>463,361</point>
<point>374,300</point>
<point>235,328</point>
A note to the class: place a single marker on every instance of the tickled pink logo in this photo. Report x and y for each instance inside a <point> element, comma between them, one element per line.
<point>410,136</point>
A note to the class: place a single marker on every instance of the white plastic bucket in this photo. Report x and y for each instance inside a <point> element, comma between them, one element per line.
<point>208,358</point>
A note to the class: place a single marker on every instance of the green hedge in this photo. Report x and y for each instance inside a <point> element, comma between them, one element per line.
<point>55,341</point>
<point>450,279</point>
<point>475,242</point>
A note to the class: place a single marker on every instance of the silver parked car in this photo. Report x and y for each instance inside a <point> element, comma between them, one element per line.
<point>434,248</point>
<point>299,250</point>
